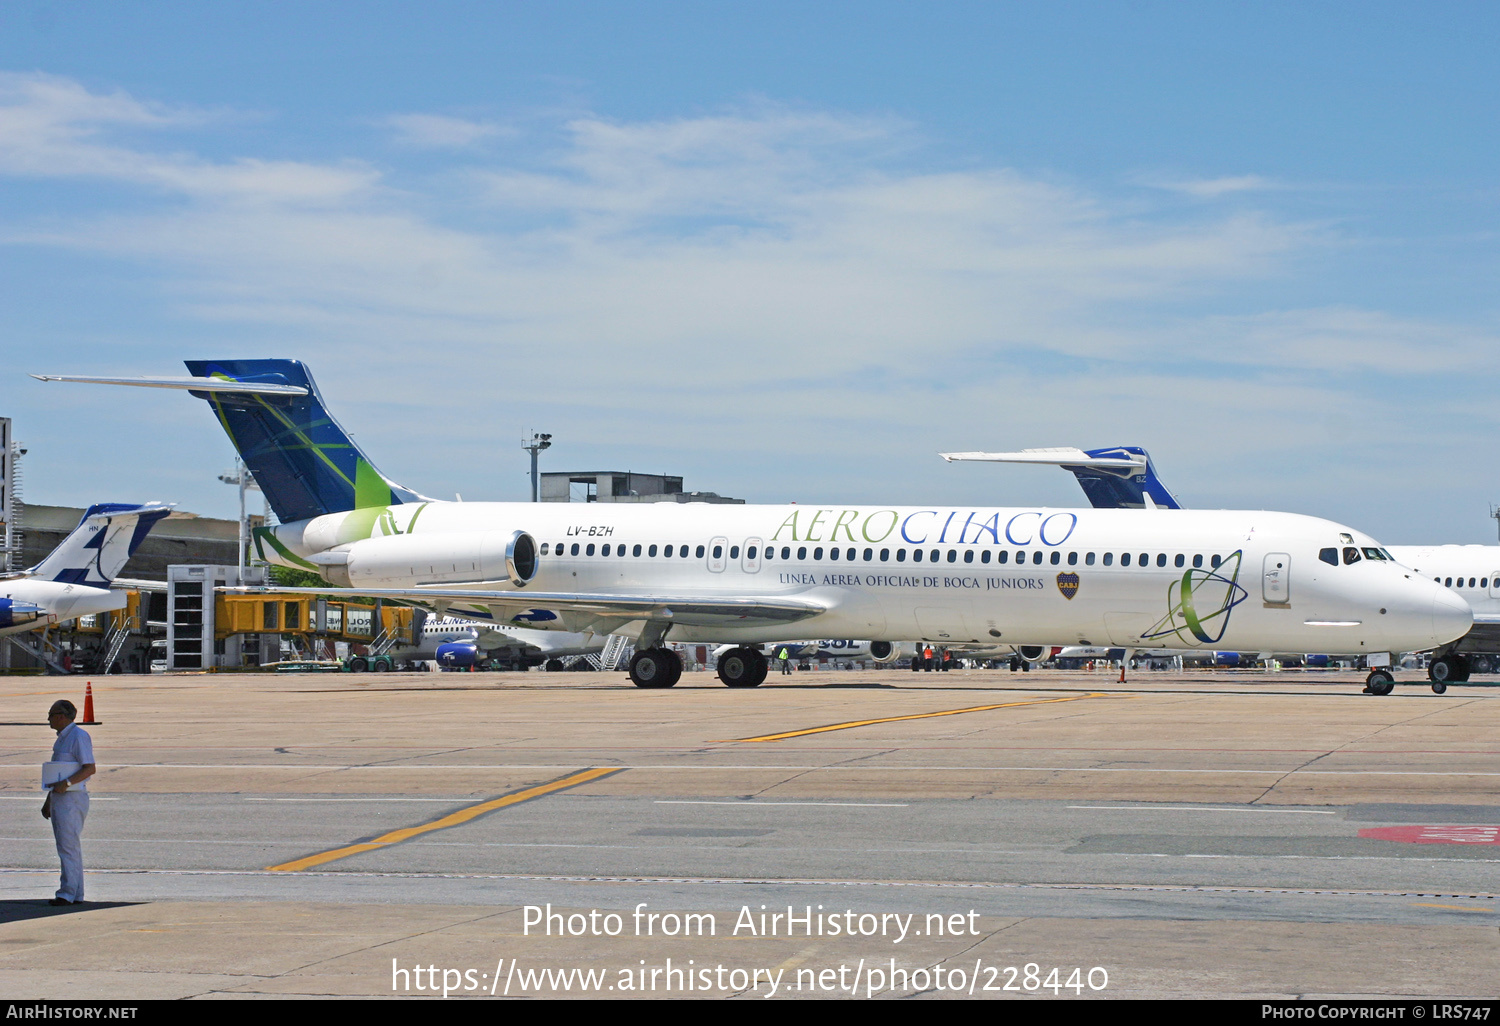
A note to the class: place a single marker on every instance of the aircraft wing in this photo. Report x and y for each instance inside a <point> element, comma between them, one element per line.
<point>583,612</point>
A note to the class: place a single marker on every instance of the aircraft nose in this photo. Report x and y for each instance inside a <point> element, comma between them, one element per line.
<point>1451,616</point>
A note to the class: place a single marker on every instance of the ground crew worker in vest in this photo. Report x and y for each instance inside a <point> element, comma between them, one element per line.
<point>786,660</point>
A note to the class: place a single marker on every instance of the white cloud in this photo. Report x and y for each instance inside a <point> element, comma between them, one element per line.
<point>52,127</point>
<point>1213,188</point>
<point>436,131</point>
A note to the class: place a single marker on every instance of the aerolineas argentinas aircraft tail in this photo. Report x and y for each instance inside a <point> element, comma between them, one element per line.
<point>1119,477</point>
<point>75,579</point>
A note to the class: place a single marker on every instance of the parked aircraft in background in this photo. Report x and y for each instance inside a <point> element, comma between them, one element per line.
<point>463,642</point>
<point>77,578</point>
<point>745,573</point>
<point>1473,571</point>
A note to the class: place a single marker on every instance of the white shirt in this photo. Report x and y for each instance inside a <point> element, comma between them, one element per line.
<point>73,744</point>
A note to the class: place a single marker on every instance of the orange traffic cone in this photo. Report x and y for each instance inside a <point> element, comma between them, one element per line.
<point>88,705</point>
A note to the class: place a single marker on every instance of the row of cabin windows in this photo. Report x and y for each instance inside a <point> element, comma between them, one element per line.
<point>1001,557</point>
<point>1447,582</point>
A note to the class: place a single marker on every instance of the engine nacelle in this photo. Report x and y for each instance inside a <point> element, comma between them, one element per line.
<point>15,613</point>
<point>457,653</point>
<point>402,560</point>
<point>890,651</point>
<point>1033,653</point>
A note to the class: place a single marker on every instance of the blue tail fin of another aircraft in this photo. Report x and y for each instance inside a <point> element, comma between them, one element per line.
<point>98,548</point>
<point>1123,489</point>
<point>305,463</point>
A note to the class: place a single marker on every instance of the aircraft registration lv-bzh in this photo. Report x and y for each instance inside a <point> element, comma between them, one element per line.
<point>744,574</point>
<point>76,578</point>
<point>1123,477</point>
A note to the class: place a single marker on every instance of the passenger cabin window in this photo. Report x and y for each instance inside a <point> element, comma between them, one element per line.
<point>700,551</point>
<point>1003,557</point>
<point>718,552</point>
<point>952,555</point>
<point>1329,556</point>
<point>984,557</point>
<point>604,551</point>
<point>1181,560</point>
<point>544,547</point>
<point>1109,558</point>
<point>575,548</point>
<point>901,555</point>
<point>734,552</point>
<point>786,552</point>
<point>1198,560</point>
<point>1214,562</point>
<point>1351,555</point>
<point>636,550</point>
<point>651,551</point>
<point>1161,559</point>
<point>885,555</point>
<point>749,553</point>
<point>1036,557</point>
<point>916,555</point>
<point>1056,557</point>
<point>1124,559</point>
<point>802,552</point>
<point>1088,560</point>
<point>590,550</point>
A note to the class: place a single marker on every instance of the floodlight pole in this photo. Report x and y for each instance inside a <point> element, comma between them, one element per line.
<point>537,444</point>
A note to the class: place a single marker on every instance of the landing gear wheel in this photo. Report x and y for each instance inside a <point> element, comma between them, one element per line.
<point>655,668</point>
<point>1379,682</point>
<point>743,668</point>
<point>1443,669</point>
<point>1438,687</point>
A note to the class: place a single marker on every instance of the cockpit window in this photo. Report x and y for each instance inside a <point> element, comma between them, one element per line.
<point>1351,555</point>
<point>1329,556</point>
<point>1374,553</point>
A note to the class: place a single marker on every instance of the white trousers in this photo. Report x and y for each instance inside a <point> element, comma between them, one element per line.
<point>69,810</point>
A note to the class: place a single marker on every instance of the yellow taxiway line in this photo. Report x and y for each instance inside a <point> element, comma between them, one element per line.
<point>453,819</point>
<point>914,716</point>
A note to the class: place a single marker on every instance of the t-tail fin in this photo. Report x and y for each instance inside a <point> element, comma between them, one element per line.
<point>98,548</point>
<point>1121,488</point>
<point>1121,477</point>
<point>305,463</point>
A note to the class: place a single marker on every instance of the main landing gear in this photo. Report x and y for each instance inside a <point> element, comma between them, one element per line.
<point>1448,669</point>
<point>743,667</point>
<point>657,668</point>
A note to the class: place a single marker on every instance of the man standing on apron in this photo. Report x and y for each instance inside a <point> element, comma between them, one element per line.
<point>67,803</point>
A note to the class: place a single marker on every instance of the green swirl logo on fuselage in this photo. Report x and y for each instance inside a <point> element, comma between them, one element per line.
<point>1198,605</point>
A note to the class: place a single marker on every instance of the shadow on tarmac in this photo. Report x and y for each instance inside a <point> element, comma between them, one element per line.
<point>37,908</point>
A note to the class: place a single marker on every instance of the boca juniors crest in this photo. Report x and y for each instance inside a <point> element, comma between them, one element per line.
<point>1067,583</point>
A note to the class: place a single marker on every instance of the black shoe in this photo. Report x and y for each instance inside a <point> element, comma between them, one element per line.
<point>60,901</point>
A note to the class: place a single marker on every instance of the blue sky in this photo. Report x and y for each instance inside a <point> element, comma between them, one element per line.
<point>788,251</point>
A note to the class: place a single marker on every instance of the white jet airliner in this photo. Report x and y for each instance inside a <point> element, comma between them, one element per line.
<point>1124,477</point>
<point>76,578</point>
<point>744,574</point>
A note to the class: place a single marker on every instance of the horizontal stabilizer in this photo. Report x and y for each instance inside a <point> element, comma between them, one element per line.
<point>186,383</point>
<point>1121,477</point>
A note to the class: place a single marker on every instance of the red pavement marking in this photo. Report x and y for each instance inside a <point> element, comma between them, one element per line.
<point>1436,834</point>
